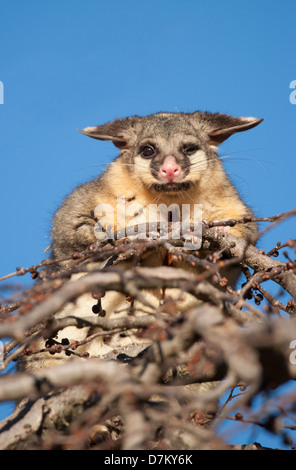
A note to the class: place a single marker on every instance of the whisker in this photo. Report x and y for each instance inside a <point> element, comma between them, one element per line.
<point>91,166</point>
<point>126,164</point>
<point>185,192</point>
<point>246,157</point>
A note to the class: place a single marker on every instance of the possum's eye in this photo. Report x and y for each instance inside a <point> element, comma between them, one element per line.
<point>147,151</point>
<point>190,149</point>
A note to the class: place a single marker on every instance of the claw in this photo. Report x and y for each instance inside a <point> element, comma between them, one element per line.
<point>222,228</point>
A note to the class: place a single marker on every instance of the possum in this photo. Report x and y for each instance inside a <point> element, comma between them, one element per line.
<point>165,158</point>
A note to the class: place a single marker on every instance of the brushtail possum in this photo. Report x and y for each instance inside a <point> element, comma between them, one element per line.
<point>165,158</point>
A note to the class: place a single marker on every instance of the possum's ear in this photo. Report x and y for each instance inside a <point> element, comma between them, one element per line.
<point>121,132</point>
<point>218,127</point>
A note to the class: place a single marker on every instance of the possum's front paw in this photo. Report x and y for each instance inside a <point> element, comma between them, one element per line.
<point>220,228</point>
<point>223,228</point>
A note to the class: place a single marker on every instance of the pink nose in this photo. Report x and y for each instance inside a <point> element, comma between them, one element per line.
<point>170,168</point>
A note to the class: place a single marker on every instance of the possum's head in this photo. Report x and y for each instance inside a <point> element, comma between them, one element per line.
<point>169,152</point>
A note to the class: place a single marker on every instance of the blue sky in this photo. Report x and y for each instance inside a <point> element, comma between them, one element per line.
<point>71,64</point>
